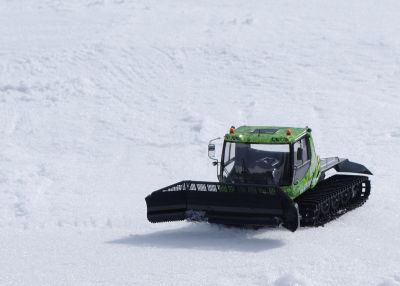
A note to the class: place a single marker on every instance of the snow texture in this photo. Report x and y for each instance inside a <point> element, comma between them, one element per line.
<point>105,101</point>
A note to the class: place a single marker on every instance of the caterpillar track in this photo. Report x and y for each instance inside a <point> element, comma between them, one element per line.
<point>332,198</point>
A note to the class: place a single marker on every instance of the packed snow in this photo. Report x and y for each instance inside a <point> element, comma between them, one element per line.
<point>104,101</point>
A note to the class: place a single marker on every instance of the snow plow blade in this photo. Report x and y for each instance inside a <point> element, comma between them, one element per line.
<point>240,205</point>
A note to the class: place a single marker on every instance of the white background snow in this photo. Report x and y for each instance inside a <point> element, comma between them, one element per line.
<point>103,102</point>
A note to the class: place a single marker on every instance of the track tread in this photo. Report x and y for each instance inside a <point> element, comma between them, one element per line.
<point>330,199</point>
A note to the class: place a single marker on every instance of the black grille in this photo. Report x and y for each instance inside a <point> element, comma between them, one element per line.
<point>265,131</point>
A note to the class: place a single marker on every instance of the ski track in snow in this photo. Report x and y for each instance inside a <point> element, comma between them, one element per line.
<point>104,101</point>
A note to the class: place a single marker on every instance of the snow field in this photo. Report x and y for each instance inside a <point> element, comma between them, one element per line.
<point>102,102</point>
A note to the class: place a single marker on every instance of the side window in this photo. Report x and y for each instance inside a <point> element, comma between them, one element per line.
<point>301,146</point>
<point>301,161</point>
<point>232,153</point>
<point>306,149</point>
<point>296,147</point>
<point>229,152</point>
<point>229,161</point>
<point>226,154</point>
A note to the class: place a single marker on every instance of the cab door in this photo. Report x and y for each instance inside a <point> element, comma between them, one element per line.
<point>301,165</point>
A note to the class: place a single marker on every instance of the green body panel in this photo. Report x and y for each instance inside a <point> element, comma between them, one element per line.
<point>252,135</point>
<point>249,134</point>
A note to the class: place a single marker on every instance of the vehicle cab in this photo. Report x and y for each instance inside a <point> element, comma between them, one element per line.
<point>279,156</point>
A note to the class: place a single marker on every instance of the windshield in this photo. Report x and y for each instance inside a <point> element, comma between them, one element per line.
<point>256,163</point>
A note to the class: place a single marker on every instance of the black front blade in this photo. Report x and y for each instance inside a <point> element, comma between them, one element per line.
<point>241,205</point>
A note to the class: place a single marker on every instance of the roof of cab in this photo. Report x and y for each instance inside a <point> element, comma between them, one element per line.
<point>266,134</point>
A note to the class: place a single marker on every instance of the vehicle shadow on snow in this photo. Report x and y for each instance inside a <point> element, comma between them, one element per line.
<point>203,237</point>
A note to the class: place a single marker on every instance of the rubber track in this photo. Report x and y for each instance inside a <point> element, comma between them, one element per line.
<point>332,198</point>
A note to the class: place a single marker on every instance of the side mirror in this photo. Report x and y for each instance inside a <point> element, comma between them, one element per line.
<point>211,151</point>
<point>211,155</point>
<point>299,154</point>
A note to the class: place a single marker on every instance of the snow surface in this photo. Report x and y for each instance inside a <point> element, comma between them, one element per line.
<point>105,101</point>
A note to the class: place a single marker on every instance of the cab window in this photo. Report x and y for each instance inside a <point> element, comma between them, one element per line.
<point>302,147</point>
